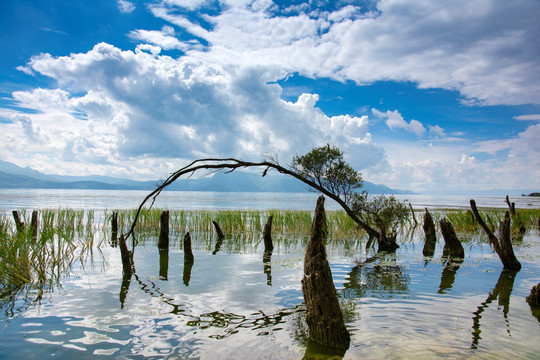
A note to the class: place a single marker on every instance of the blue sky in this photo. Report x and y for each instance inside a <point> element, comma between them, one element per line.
<point>421,95</point>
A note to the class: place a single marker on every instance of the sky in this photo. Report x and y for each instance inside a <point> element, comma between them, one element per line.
<point>424,95</point>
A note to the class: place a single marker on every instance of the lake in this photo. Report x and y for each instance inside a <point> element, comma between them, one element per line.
<point>234,303</point>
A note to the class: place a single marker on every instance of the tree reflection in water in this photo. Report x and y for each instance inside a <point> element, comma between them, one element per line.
<point>379,277</point>
<point>502,292</point>
<point>267,261</point>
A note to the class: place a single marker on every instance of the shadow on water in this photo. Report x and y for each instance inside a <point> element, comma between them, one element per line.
<point>267,261</point>
<point>186,277</point>
<point>448,275</point>
<point>163,264</point>
<point>501,292</point>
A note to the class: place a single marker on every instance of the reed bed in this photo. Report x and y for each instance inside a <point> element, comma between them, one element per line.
<point>32,263</point>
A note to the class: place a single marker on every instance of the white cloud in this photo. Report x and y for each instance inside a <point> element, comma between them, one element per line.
<point>531,117</point>
<point>113,108</point>
<point>164,39</point>
<point>394,120</point>
<point>125,6</point>
<point>487,52</point>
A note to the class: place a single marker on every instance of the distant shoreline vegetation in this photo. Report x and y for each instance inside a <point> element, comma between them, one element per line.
<point>532,194</point>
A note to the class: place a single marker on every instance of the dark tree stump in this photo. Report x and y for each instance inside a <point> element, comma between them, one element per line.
<point>452,245</point>
<point>163,242</point>
<point>19,224</point>
<point>413,216</point>
<point>267,235</point>
<point>431,237</point>
<point>511,206</point>
<point>114,228</point>
<point>188,253</point>
<point>34,224</point>
<point>505,251</point>
<point>534,298</point>
<point>218,230</point>
<point>323,316</point>
<point>505,241</point>
<point>126,257</point>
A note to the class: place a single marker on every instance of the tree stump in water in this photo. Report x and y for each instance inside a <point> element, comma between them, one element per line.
<point>218,230</point>
<point>323,316</point>
<point>267,235</point>
<point>19,224</point>
<point>504,248</point>
<point>431,237</point>
<point>34,224</point>
<point>534,298</point>
<point>114,228</point>
<point>126,257</point>
<point>163,242</point>
<point>452,247</point>
<point>188,253</point>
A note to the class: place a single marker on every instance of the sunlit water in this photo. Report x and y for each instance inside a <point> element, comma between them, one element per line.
<point>231,304</point>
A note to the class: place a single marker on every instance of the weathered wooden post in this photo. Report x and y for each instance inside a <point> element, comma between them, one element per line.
<point>267,235</point>
<point>431,237</point>
<point>504,248</point>
<point>188,253</point>
<point>323,316</point>
<point>163,242</point>
<point>34,224</point>
<point>114,228</point>
<point>452,245</point>
<point>18,222</point>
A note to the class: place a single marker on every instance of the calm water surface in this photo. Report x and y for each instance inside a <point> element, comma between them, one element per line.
<point>235,304</point>
<point>11,199</point>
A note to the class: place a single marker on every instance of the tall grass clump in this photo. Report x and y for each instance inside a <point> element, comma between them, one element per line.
<point>32,263</point>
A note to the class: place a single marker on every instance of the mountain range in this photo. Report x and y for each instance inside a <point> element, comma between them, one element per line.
<point>15,177</point>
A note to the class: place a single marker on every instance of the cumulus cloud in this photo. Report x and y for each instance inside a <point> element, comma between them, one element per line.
<point>112,106</point>
<point>487,53</point>
<point>394,120</point>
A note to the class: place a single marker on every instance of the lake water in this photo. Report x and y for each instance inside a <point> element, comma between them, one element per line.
<point>235,304</point>
<point>13,199</point>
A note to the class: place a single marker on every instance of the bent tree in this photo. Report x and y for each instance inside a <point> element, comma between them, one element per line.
<point>324,170</point>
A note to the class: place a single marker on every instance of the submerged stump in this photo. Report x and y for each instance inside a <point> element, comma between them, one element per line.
<point>126,257</point>
<point>323,316</point>
<point>534,298</point>
<point>431,237</point>
<point>503,245</point>
<point>163,242</point>
<point>452,245</point>
<point>188,253</point>
<point>267,235</point>
<point>219,232</point>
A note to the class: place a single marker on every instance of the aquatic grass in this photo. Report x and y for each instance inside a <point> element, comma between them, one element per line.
<point>32,264</point>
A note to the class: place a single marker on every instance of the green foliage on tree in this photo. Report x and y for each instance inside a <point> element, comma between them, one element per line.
<point>326,167</point>
<point>385,213</point>
<point>380,215</point>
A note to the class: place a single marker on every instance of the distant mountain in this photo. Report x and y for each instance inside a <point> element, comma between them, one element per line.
<point>13,176</point>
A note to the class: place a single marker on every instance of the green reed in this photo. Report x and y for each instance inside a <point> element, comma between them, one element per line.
<point>31,264</point>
